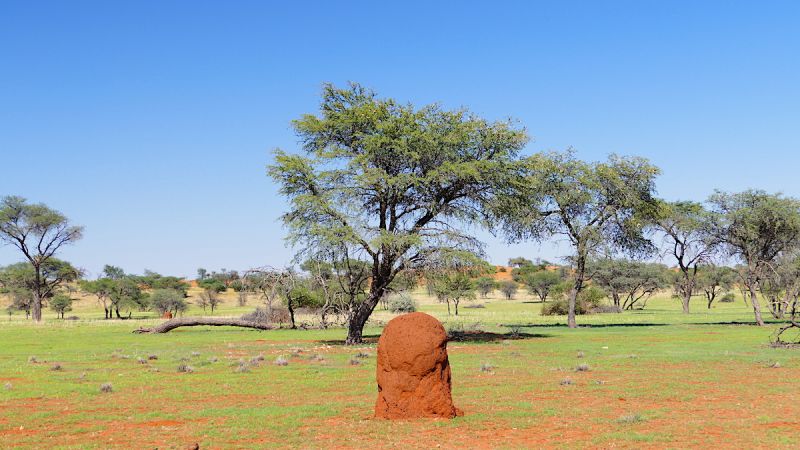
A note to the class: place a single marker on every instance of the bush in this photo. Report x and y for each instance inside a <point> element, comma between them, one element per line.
<point>106,388</point>
<point>167,300</point>
<point>728,298</point>
<point>402,303</point>
<point>589,301</point>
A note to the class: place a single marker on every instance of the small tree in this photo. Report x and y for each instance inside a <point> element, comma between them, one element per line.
<point>167,300</point>
<point>628,282</point>
<point>201,274</point>
<point>756,228</point>
<point>541,282</point>
<point>687,232</point>
<point>61,303</point>
<point>103,289</point>
<point>455,287</point>
<point>39,233</point>
<point>715,280</point>
<point>509,289</point>
<point>486,285</point>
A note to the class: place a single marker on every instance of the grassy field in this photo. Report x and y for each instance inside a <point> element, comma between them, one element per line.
<point>657,378</point>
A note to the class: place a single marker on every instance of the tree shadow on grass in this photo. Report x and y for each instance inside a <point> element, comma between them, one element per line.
<point>487,336</point>
<point>599,325</point>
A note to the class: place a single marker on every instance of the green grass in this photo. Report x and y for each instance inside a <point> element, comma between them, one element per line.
<point>658,378</point>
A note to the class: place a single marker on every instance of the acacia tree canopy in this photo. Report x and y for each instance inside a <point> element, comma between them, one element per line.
<point>392,181</point>
<point>38,232</point>
<point>594,205</point>
<point>756,228</point>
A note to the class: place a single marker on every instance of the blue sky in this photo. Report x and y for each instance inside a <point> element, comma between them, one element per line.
<point>151,122</point>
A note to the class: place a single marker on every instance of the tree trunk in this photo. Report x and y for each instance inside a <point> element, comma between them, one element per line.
<point>455,302</point>
<point>573,296</point>
<point>687,296</point>
<point>203,321</point>
<point>36,307</point>
<point>355,329</point>
<point>756,305</point>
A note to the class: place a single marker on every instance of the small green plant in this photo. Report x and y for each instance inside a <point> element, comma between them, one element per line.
<point>631,418</point>
<point>402,303</point>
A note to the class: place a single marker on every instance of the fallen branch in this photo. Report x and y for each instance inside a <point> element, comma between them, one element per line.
<point>203,321</point>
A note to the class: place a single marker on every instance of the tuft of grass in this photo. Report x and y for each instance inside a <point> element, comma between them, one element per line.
<point>566,382</point>
<point>580,354</point>
<point>582,368</point>
<point>487,367</point>
<point>242,367</point>
<point>106,388</point>
<point>57,367</point>
<point>185,368</point>
<point>152,357</point>
<point>354,361</point>
<point>195,354</point>
<point>362,355</point>
<point>213,359</point>
<point>631,418</point>
<point>8,386</point>
<point>281,361</point>
<point>32,360</point>
<point>317,357</point>
<point>141,360</point>
<point>296,352</point>
<point>775,365</point>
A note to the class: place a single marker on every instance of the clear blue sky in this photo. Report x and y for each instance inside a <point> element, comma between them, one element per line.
<point>151,122</point>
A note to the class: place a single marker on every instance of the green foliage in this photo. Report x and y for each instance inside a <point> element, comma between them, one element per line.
<point>629,282</point>
<point>212,284</point>
<point>594,205</point>
<point>541,283</point>
<point>167,300</point>
<point>402,303</point>
<point>486,285</point>
<point>455,287</point>
<point>378,174</point>
<point>509,289</point>
<point>153,280</point>
<point>590,300</point>
<point>61,303</point>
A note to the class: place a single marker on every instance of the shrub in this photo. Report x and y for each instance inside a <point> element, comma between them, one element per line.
<point>32,360</point>
<point>566,382</point>
<point>476,306</point>
<point>728,298</point>
<point>362,355</point>
<point>402,303</point>
<point>152,357</point>
<point>141,360</point>
<point>281,361</point>
<point>57,367</point>
<point>8,386</point>
<point>167,300</point>
<point>509,289</point>
<point>106,388</point>
<point>631,418</point>
<point>582,368</point>
<point>589,301</point>
<point>185,368</point>
<point>355,361</point>
<point>486,367</point>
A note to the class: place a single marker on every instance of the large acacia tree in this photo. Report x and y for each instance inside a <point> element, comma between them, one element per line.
<point>595,205</point>
<point>757,228</point>
<point>38,232</point>
<point>393,181</point>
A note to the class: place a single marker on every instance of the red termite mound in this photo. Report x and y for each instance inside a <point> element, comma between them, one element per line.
<point>413,370</point>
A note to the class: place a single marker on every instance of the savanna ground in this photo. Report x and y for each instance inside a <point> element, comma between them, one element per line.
<point>656,378</point>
